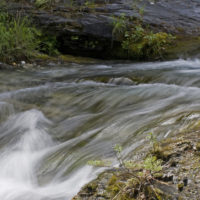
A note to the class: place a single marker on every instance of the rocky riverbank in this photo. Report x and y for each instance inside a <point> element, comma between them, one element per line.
<point>178,179</point>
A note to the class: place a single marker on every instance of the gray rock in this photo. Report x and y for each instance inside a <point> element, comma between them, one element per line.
<point>121,81</point>
<point>93,26</point>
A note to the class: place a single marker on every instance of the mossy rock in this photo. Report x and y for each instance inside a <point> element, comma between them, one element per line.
<point>184,46</point>
<point>44,58</point>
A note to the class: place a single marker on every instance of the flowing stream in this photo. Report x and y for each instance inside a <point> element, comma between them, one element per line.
<point>54,119</point>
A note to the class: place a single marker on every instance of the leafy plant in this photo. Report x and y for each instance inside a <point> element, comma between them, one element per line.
<point>152,164</point>
<point>118,149</point>
<point>153,141</point>
<point>137,180</point>
<point>139,10</point>
<point>119,26</point>
<point>142,43</point>
<point>48,44</point>
<point>132,39</point>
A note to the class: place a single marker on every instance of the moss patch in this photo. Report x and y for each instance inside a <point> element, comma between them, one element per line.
<point>183,46</point>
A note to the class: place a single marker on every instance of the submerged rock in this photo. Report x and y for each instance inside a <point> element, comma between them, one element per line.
<point>5,66</point>
<point>121,81</point>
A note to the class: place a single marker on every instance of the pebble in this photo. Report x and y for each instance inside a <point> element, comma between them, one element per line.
<point>23,62</point>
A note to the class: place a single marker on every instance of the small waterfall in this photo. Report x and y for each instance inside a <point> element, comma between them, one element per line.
<point>18,161</point>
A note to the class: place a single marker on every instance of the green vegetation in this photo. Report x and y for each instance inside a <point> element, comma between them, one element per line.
<point>48,44</point>
<point>141,43</point>
<point>153,141</point>
<point>137,179</point>
<point>150,163</point>
<point>44,3</point>
<point>137,41</point>
<point>163,174</point>
<point>119,26</point>
<point>18,38</point>
<point>90,4</point>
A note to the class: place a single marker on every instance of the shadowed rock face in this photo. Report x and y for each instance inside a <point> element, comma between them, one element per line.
<point>87,30</point>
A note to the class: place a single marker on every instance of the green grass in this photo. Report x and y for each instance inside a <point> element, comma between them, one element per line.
<point>18,38</point>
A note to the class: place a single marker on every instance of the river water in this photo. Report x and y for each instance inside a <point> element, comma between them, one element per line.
<point>54,119</point>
